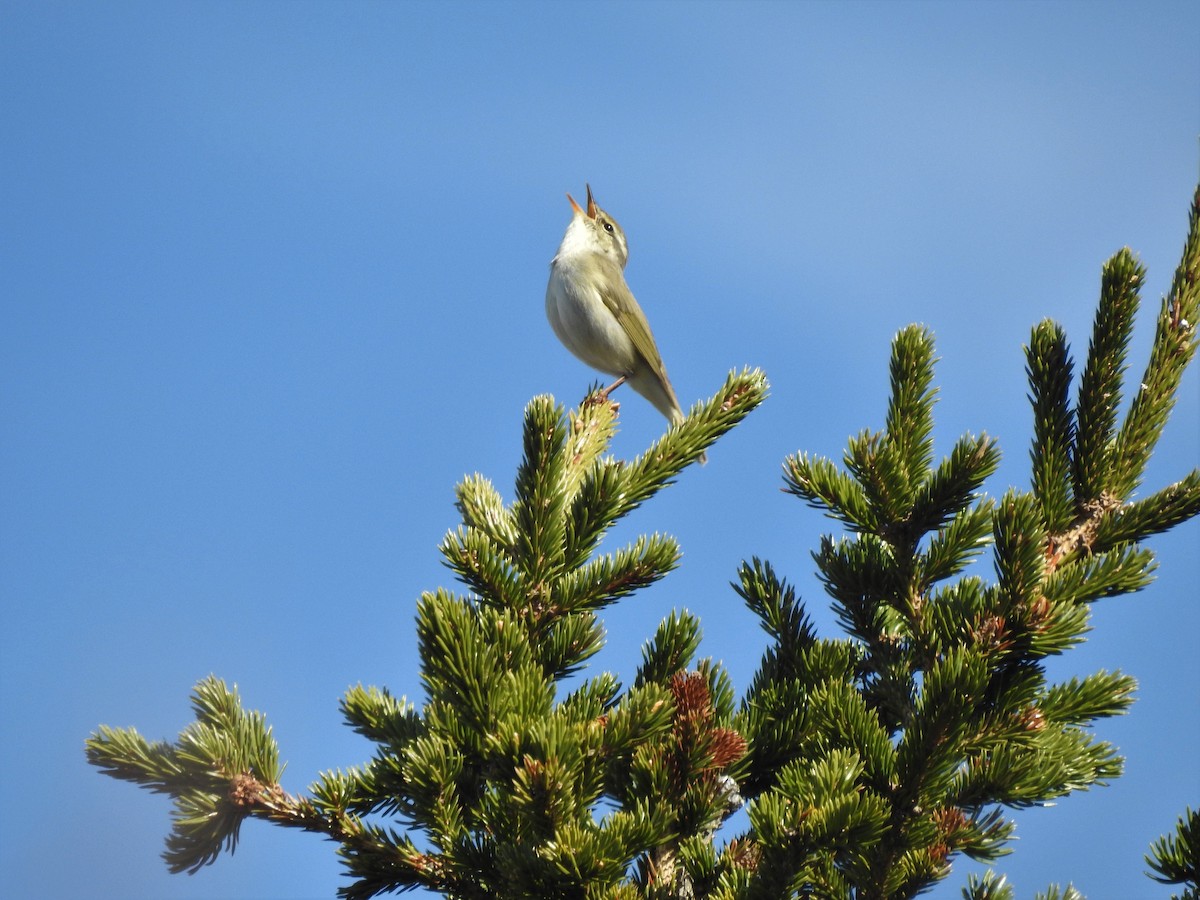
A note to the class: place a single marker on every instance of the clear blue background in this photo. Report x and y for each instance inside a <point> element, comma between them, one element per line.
<point>272,280</point>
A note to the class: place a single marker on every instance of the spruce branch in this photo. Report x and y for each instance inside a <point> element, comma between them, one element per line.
<point>1175,858</point>
<point>1173,348</point>
<point>223,769</point>
<point>671,649</point>
<point>988,886</point>
<point>1100,387</point>
<point>819,483</point>
<point>1054,892</point>
<point>482,509</point>
<point>1159,512</point>
<point>1082,701</point>
<point>1048,366</point>
<point>1107,464</point>
<point>956,546</point>
<point>600,582</point>
<point>949,491</point>
<point>780,611</point>
<point>909,425</point>
<point>610,490</point>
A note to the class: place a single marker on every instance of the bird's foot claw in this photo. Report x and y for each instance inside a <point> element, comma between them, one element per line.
<point>602,396</point>
<point>595,398</point>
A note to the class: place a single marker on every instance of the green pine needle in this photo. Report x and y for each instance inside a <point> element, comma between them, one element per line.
<point>1176,858</point>
<point>1049,368</point>
<point>1101,383</point>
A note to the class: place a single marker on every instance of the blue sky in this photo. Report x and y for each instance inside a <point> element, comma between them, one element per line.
<point>273,280</point>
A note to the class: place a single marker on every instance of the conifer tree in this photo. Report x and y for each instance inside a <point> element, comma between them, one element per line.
<point>867,763</point>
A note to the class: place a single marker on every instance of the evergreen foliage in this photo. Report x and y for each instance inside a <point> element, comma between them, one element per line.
<point>1176,858</point>
<point>867,763</point>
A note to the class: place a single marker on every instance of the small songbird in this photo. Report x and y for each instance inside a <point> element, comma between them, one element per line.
<point>594,314</point>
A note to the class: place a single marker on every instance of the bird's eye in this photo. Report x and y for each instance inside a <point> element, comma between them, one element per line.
<point>608,227</point>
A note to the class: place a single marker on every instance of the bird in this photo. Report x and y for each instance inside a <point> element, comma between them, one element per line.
<point>594,314</point>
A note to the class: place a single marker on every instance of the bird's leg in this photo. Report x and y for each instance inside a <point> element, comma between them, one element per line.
<point>608,390</point>
<point>602,396</point>
<point>612,387</point>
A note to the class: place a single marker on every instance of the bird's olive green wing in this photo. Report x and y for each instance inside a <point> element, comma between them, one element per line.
<point>621,303</point>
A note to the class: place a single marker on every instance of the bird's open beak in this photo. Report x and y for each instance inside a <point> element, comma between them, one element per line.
<point>592,208</point>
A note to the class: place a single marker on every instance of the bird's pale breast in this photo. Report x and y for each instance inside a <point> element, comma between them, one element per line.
<point>584,324</point>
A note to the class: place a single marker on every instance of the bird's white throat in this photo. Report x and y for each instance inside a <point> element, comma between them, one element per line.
<point>579,240</point>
